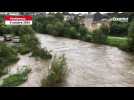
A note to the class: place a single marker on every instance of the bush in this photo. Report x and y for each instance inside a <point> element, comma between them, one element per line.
<point>131,36</point>
<point>22,49</point>
<point>59,27</point>
<point>42,53</point>
<point>59,16</point>
<point>8,56</point>
<point>118,29</point>
<point>85,35</point>
<point>71,32</point>
<point>16,79</point>
<point>28,43</point>
<point>56,73</point>
<point>6,30</point>
<point>100,35</point>
<point>22,30</point>
<point>1,19</point>
<point>50,29</point>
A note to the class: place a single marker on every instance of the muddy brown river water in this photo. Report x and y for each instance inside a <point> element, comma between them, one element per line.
<point>91,64</point>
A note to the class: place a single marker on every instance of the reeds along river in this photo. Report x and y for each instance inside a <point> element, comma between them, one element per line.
<point>91,64</point>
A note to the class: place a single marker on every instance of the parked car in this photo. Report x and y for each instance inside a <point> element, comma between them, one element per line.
<point>8,37</point>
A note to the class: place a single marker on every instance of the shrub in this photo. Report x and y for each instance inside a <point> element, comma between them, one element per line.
<point>16,79</point>
<point>71,32</point>
<point>100,35</point>
<point>59,27</point>
<point>25,30</point>
<point>118,29</point>
<point>5,30</point>
<point>1,19</point>
<point>22,49</point>
<point>85,35</point>
<point>28,43</point>
<point>59,16</point>
<point>50,29</point>
<point>42,53</point>
<point>56,73</point>
<point>8,56</point>
<point>131,36</point>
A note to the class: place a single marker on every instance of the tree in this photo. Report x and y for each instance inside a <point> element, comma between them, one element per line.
<point>70,32</point>
<point>59,27</point>
<point>131,35</point>
<point>119,29</point>
<point>50,28</point>
<point>100,35</point>
<point>59,16</point>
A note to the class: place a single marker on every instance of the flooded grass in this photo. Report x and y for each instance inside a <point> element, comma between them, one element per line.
<point>16,79</point>
<point>56,72</point>
<point>41,53</point>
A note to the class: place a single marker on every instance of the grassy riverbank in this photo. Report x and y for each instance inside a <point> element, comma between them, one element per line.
<point>121,42</point>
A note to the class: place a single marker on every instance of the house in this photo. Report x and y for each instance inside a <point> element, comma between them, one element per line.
<point>95,21</point>
<point>69,17</point>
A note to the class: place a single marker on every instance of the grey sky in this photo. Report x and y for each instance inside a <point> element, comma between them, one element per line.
<point>86,12</point>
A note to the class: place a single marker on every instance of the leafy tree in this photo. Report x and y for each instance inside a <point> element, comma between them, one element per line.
<point>100,35</point>
<point>131,35</point>
<point>59,16</point>
<point>50,28</point>
<point>118,29</point>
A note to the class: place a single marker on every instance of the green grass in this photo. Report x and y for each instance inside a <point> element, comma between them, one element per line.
<point>15,79</point>
<point>121,42</point>
<point>56,73</point>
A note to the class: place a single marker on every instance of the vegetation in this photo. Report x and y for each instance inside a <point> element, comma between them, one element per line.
<point>28,40</point>
<point>119,29</point>
<point>1,19</point>
<point>28,43</point>
<point>56,73</point>
<point>100,35</point>
<point>55,25</point>
<point>8,56</point>
<point>42,53</point>
<point>119,34</point>
<point>131,36</point>
<point>121,42</point>
<point>16,79</point>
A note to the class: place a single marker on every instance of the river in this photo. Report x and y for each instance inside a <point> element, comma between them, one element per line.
<point>91,64</point>
<point>88,64</point>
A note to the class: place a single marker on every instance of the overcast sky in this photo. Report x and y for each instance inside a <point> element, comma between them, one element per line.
<point>86,12</point>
